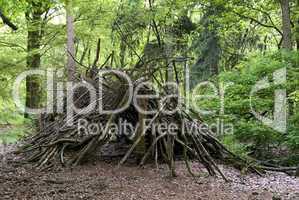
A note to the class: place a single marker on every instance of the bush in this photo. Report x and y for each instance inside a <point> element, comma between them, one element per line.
<point>13,125</point>
<point>260,140</point>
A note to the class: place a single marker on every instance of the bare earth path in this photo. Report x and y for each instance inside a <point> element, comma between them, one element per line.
<point>102,180</point>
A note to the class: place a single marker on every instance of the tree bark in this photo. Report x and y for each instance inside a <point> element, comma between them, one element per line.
<point>297,26</point>
<point>286,25</point>
<point>297,35</point>
<point>71,65</point>
<point>33,60</point>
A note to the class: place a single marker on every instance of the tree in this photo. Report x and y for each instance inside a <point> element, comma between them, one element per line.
<point>35,25</point>
<point>297,24</point>
<point>207,46</point>
<point>71,65</point>
<point>286,24</point>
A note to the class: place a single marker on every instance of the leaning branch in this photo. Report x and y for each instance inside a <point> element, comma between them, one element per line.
<point>259,23</point>
<point>7,21</point>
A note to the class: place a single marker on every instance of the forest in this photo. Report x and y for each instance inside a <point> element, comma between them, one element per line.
<point>149,99</point>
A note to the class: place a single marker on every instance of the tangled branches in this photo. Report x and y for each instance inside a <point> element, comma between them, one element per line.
<point>60,141</point>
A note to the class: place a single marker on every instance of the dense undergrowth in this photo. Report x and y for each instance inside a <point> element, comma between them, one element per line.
<point>250,137</point>
<point>13,126</point>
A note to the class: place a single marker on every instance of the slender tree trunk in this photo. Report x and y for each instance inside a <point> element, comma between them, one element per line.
<point>33,87</point>
<point>71,65</point>
<point>297,37</point>
<point>297,172</point>
<point>122,54</point>
<point>297,26</point>
<point>286,24</point>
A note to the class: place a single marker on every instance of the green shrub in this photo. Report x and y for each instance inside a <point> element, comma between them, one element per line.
<point>260,140</point>
<point>13,125</point>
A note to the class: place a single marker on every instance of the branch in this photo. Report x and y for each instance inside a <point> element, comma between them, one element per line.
<point>69,53</point>
<point>124,38</point>
<point>155,26</point>
<point>268,15</point>
<point>93,70</point>
<point>85,50</point>
<point>258,22</point>
<point>8,22</point>
<point>97,53</point>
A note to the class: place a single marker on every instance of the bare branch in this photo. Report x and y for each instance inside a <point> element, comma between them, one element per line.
<point>7,21</point>
<point>259,23</point>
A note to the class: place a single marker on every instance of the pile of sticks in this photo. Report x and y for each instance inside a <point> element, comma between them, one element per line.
<point>59,143</point>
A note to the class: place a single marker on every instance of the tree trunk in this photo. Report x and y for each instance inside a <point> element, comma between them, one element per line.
<point>297,172</point>
<point>33,61</point>
<point>286,25</point>
<point>297,27</point>
<point>297,35</point>
<point>71,65</point>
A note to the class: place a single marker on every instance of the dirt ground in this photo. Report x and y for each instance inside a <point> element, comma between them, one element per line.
<point>103,180</point>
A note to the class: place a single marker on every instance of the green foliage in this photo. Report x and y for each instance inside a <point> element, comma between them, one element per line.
<point>261,140</point>
<point>207,44</point>
<point>13,134</point>
<point>13,125</point>
<point>9,114</point>
<point>235,146</point>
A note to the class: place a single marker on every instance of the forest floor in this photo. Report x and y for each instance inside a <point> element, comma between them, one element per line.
<point>103,180</point>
